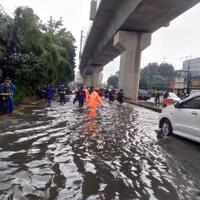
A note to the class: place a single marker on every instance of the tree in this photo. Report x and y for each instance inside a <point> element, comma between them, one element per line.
<point>38,53</point>
<point>159,82</point>
<point>30,70</point>
<point>28,32</point>
<point>166,70</point>
<point>150,69</point>
<point>155,76</point>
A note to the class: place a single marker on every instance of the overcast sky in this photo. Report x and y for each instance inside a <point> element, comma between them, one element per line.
<point>171,44</point>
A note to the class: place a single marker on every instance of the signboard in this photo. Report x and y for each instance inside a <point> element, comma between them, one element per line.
<point>179,83</point>
<point>195,82</point>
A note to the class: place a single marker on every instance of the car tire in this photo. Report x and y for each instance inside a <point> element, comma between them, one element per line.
<point>166,127</point>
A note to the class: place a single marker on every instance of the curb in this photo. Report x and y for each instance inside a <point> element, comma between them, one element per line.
<point>144,105</point>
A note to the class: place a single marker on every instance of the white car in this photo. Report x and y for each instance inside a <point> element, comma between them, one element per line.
<point>182,119</point>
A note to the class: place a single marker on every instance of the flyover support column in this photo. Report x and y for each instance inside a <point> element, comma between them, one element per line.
<point>131,44</point>
<point>87,80</point>
<point>96,76</point>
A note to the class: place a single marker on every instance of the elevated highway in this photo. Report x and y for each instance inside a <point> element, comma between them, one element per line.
<point>124,27</point>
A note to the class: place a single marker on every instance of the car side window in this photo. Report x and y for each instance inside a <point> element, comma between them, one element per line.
<point>192,103</point>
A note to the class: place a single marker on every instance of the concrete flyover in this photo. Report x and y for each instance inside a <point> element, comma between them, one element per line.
<point>125,27</point>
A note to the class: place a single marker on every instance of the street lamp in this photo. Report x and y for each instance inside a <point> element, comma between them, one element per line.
<point>81,43</point>
<point>188,75</point>
<point>187,72</point>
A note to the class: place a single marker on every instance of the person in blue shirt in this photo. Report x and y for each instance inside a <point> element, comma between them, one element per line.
<point>50,93</point>
<point>7,89</point>
<point>12,102</point>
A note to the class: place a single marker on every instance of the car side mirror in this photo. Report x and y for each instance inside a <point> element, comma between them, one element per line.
<point>177,105</point>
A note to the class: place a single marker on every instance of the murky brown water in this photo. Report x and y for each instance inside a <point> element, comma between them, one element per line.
<point>59,153</point>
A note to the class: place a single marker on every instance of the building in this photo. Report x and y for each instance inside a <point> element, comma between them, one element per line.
<point>188,78</point>
<point>191,72</point>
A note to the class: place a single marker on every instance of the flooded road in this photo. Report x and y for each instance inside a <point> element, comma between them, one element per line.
<point>58,152</point>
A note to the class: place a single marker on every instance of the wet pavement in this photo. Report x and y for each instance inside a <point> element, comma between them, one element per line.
<point>58,152</point>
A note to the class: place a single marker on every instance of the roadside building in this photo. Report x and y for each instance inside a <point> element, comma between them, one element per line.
<point>191,71</point>
<point>188,78</point>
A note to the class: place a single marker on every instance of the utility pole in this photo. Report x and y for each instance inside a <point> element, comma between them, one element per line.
<point>81,42</point>
<point>188,75</point>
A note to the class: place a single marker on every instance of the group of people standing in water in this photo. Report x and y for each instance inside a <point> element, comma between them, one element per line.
<point>92,97</point>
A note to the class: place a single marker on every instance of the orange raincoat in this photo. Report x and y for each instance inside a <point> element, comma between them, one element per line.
<point>95,100</point>
<point>87,95</point>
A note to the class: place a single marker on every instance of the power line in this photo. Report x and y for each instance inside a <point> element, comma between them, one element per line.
<point>5,15</point>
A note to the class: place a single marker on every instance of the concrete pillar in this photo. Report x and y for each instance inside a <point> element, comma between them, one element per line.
<point>131,44</point>
<point>96,71</point>
<point>87,80</point>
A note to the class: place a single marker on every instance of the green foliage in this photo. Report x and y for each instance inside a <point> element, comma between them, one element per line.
<point>30,70</point>
<point>155,76</point>
<point>42,53</point>
<point>4,28</point>
<point>27,28</point>
<point>21,93</point>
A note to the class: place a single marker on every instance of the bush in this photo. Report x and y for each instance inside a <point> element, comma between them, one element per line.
<point>21,94</point>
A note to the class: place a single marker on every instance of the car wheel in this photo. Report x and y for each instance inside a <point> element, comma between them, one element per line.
<point>166,127</point>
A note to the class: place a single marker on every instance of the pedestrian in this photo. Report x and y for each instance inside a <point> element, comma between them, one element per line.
<point>95,100</point>
<point>120,96</point>
<point>111,95</point>
<point>7,89</point>
<point>50,93</point>
<point>12,101</point>
<point>80,97</point>
<point>157,98</point>
<point>165,96</point>
<point>106,93</point>
<point>61,92</point>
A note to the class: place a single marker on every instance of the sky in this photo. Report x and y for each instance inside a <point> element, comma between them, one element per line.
<point>173,44</point>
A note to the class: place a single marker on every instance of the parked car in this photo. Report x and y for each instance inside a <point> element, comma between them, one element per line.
<point>182,119</point>
<point>143,95</point>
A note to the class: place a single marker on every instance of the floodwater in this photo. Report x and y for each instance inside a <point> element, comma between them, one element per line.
<point>58,152</point>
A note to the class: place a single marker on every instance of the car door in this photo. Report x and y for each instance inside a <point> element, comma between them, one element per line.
<point>187,118</point>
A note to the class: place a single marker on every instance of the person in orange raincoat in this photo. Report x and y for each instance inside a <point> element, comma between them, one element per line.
<point>95,100</point>
<point>87,94</point>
